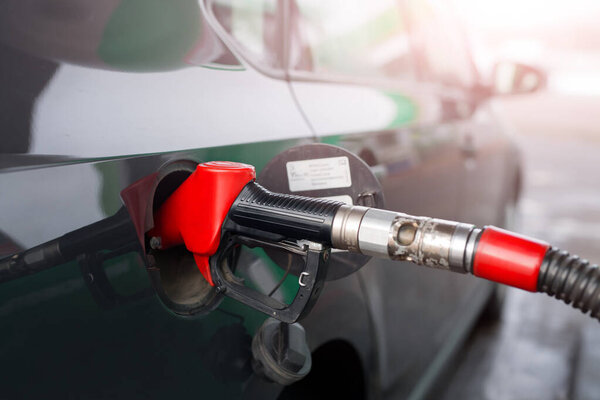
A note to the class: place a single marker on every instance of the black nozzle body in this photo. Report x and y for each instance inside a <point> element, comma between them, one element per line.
<point>290,216</point>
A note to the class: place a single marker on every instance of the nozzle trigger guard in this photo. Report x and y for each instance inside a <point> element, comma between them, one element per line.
<point>310,280</point>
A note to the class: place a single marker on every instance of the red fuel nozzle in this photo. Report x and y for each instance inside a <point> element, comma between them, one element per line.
<point>219,207</point>
<point>194,213</point>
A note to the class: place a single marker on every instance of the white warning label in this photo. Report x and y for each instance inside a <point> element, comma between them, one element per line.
<point>320,173</point>
<point>344,198</point>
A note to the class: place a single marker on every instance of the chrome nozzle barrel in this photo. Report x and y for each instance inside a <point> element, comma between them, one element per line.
<point>426,241</point>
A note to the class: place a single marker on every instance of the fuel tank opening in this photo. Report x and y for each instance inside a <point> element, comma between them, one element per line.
<point>174,274</point>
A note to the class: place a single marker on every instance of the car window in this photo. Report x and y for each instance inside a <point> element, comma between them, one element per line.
<point>353,38</point>
<point>255,26</point>
<point>440,47</point>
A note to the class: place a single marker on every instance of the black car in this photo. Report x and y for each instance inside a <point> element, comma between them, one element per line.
<point>100,96</point>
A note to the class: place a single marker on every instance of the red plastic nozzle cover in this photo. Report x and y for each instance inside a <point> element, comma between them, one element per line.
<point>194,213</point>
<point>505,257</point>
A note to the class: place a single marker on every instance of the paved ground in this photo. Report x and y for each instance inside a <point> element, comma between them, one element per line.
<point>543,349</point>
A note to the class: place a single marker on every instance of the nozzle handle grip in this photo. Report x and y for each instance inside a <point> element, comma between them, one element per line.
<point>293,217</point>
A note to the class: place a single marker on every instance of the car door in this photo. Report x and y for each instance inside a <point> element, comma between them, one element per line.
<point>357,73</point>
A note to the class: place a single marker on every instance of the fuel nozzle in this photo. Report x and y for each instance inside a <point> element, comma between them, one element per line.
<point>221,206</point>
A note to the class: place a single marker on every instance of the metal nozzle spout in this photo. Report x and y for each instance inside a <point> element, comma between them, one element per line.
<point>426,241</point>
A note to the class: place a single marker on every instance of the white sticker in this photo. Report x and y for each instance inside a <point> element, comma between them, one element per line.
<point>320,173</point>
<point>344,198</point>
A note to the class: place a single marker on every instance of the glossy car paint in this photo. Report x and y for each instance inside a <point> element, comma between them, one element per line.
<point>92,111</point>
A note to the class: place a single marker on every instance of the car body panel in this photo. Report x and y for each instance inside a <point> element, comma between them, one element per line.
<point>421,168</point>
<point>56,87</point>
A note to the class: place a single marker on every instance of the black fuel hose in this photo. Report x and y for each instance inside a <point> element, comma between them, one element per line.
<point>107,234</point>
<point>571,279</point>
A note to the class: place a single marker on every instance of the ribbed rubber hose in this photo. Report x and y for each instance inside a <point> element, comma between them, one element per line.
<point>571,279</point>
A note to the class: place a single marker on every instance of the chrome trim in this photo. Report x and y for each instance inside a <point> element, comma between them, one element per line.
<point>345,226</point>
<point>470,248</point>
<point>374,232</point>
<point>458,245</point>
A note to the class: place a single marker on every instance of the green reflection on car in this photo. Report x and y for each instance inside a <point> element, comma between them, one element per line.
<point>150,35</point>
<point>406,110</point>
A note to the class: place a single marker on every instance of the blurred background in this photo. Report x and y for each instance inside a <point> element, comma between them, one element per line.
<point>539,349</point>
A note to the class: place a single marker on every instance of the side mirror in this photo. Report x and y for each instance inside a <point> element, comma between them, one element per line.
<point>515,78</point>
